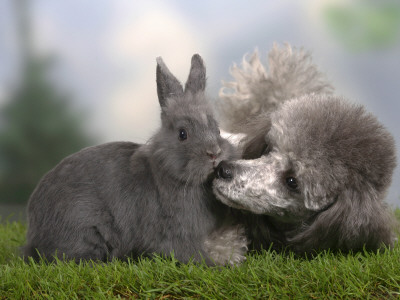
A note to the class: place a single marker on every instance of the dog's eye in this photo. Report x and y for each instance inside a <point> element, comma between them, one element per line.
<point>182,134</point>
<point>291,183</point>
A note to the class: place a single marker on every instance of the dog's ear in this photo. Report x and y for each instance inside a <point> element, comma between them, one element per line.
<point>357,219</point>
<point>368,220</point>
<point>318,203</point>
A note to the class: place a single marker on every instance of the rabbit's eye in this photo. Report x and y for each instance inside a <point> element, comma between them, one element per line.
<point>182,134</point>
<point>291,183</point>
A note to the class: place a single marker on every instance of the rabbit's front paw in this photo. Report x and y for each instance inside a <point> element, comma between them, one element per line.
<point>227,245</point>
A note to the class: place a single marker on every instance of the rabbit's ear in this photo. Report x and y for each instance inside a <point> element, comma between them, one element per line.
<point>197,76</point>
<point>167,84</point>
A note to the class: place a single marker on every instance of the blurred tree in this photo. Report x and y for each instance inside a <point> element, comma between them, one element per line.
<point>363,25</point>
<point>38,128</point>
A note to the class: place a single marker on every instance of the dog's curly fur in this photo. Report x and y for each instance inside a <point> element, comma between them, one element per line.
<point>316,168</point>
<point>256,90</point>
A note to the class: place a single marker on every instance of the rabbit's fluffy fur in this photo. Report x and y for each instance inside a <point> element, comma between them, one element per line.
<point>315,169</point>
<point>123,199</point>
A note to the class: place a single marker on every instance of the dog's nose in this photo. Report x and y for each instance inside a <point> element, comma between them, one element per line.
<point>223,170</point>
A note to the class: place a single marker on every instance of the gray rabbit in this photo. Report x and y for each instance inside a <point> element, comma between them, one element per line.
<point>124,199</point>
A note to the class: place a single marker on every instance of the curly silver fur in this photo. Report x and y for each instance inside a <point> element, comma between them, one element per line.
<point>256,89</point>
<point>227,245</point>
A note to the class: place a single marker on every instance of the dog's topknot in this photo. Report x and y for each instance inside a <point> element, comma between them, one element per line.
<point>332,134</point>
<point>255,90</point>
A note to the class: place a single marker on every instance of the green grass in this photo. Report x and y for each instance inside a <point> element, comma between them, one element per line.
<point>266,275</point>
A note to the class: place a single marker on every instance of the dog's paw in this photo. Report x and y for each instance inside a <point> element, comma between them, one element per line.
<point>227,245</point>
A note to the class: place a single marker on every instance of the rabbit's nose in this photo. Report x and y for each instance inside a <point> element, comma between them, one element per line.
<point>223,170</point>
<point>213,154</point>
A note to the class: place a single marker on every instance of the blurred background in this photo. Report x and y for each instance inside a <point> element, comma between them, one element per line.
<point>77,73</point>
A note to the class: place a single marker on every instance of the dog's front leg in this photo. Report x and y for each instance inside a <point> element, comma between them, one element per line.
<point>227,245</point>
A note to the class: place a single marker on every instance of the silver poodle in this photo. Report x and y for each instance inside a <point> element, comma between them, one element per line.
<point>315,169</point>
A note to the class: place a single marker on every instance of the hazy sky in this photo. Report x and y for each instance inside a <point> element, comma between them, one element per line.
<point>106,55</point>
